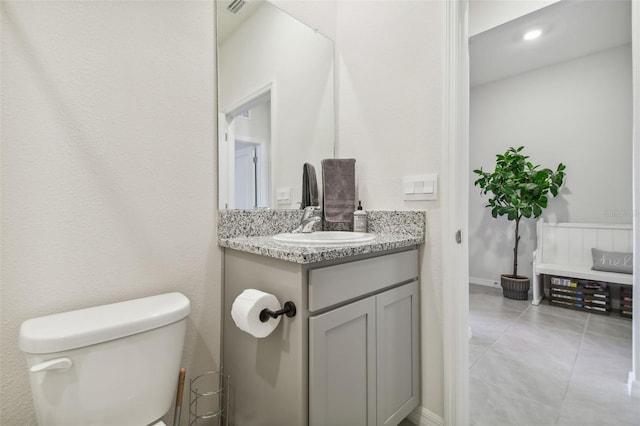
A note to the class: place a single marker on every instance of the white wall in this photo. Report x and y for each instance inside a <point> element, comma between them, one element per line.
<point>108,168</point>
<point>577,112</point>
<point>487,14</point>
<point>317,14</point>
<point>389,79</point>
<point>390,120</point>
<point>257,126</point>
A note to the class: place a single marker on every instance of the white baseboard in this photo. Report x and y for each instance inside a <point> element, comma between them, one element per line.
<point>423,417</point>
<point>633,385</point>
<point>485,282</point>
<point>536,301</point>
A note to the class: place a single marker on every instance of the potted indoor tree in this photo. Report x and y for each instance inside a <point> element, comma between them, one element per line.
<point>516,189</point>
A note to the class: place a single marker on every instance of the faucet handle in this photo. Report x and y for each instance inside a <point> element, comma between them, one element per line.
<point>308,211</point>
<point>308,220</point>
<point>307,225</point>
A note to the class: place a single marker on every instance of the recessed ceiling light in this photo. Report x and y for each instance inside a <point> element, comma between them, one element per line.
<point>532,34</point>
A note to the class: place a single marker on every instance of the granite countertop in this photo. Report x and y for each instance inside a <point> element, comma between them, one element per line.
<point>251,230</point>
<point>266,246</point>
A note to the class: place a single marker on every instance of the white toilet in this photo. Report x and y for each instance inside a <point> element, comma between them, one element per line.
<point>113,365</point>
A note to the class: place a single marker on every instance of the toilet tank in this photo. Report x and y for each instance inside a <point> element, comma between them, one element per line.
<point>113,365</point>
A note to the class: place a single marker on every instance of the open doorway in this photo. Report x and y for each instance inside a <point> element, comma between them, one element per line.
<point>251,189</point>
<point>562,386</point>
<point>245,153</point>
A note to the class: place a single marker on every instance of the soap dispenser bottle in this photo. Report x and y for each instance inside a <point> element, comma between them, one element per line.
<point>359,219</point>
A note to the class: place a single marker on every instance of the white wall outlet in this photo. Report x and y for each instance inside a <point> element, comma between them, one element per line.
<point>283,195</point>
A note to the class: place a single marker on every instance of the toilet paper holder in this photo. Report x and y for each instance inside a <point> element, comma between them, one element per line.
<point>289,310</point>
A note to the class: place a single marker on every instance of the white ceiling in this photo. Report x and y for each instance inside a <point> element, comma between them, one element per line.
<point>228,22</point>
<point>571,29</point>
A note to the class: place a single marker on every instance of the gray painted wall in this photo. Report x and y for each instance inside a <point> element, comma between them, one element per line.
<point>577,112</point>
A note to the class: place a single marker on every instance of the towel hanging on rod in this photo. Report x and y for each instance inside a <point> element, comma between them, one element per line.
<point>309,186</point>
<point>338,189</point>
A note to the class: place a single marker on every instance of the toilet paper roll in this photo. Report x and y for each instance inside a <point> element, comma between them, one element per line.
<point>246,309</point>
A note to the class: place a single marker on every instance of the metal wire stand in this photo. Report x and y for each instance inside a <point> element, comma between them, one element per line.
<point>209,399</point>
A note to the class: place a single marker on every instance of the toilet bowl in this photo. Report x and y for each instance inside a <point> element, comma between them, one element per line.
<point>110,365</point>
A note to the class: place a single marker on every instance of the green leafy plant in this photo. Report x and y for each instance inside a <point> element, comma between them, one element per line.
<point>517,188</point>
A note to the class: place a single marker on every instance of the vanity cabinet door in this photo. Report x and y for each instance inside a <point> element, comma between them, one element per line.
<point>363,361</point>
<point>342,366</point>
<point>397,353</point>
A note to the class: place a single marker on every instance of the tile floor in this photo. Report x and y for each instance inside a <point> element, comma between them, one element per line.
<point>544,365</point>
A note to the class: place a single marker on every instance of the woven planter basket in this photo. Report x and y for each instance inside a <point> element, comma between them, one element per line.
<point>515,288</point>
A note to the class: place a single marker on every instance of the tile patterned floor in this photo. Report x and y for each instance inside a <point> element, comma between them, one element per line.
<point>543,365</point>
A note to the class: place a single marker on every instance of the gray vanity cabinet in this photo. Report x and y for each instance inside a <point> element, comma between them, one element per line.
<point>348,357</point>
<point>363,360</point>
<point>397,353</point>
<point>342,366</point>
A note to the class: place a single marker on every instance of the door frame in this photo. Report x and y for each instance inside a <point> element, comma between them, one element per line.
<point>263,92</point>
<point>455,293</point>
<point>633,382</point>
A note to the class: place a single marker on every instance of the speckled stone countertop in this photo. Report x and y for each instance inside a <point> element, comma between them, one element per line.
<point>251,230</point>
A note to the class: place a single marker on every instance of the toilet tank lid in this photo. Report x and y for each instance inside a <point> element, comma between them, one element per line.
<point>84,327</point>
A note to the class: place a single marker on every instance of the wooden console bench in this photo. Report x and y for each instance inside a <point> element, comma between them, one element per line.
<point>564,249</point>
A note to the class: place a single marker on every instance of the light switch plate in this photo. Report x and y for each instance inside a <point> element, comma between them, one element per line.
<point>420,188</point>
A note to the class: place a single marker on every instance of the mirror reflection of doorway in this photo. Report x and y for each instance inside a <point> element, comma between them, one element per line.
<point>246,195</point>
<point>251,189</point>
<point>247,139</point>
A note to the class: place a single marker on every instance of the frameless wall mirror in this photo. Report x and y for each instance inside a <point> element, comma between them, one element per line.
<point>275,104</point>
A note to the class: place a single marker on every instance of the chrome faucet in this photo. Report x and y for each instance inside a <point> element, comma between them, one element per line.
<point>308,220</point>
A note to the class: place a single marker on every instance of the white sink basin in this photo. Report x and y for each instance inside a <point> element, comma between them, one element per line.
<point>324,238</point>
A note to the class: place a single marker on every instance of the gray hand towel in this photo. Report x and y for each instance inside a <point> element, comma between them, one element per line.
<point>338,189</point>
<point>309,186</point>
